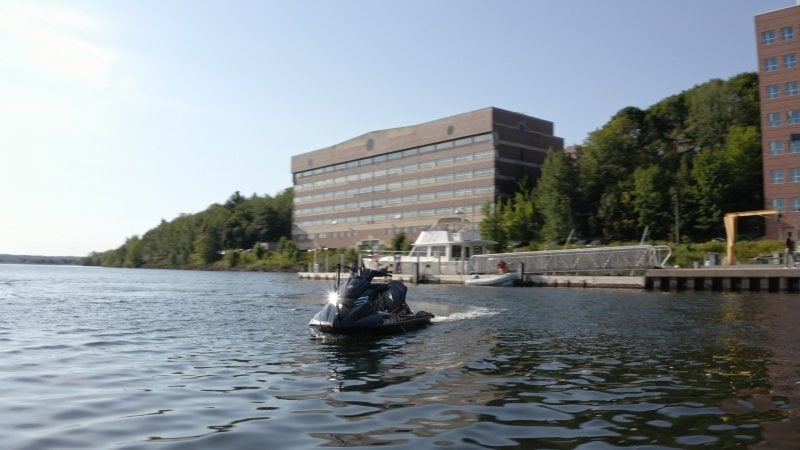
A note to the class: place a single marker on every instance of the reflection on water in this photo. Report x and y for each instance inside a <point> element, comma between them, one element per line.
<point>101,358</point>
<point>531,390</point>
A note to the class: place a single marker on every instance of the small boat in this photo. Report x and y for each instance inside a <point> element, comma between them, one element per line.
<point>360,306</point>
<point>444,249</point>
<point>505,279</point>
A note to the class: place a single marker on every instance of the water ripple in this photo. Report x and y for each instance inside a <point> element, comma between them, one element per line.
<point>129,359</point>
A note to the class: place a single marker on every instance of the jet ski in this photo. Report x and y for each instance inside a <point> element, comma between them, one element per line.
<point>359,306</point>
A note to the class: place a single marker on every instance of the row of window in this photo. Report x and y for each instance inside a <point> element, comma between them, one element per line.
<point>769,37</point>
<point>780,204</point>
<point>777,175</point>
<point>397,185</point>
<point>789,62</point>
<point>776,119</point>
<point>448,211</point>
<point>400,154</point>
<point>776,147</point>
<point>792,88</point>
<point>388,231</point>
<point>353,233</point>
<point>394,201</point>
<point>397,170</point>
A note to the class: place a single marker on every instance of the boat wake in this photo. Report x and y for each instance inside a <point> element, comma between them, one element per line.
<point>472,313</point>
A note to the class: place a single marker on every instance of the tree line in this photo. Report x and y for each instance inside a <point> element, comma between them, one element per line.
<point>674,169</point>
<point>224,235</point>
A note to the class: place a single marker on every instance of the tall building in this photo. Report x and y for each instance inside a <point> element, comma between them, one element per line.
<point>779,87</point>
<point>368,188</point>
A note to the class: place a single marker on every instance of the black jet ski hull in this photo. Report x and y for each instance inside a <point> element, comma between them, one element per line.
<point>390,324</point>
<point>359,306</point>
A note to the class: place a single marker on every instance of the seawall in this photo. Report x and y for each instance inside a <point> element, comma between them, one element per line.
<point>716,278</point>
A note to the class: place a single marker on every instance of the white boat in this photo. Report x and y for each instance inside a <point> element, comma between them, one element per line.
<point>444,251</point>
<point>506,279</point>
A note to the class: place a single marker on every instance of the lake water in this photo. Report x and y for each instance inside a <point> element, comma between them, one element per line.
<point>160,359</point>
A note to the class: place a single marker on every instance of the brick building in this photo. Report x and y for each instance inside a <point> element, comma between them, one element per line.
<point>368,188</point>
<point>779,87</point>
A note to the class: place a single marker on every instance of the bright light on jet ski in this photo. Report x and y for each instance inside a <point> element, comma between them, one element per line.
<point>333,298</point>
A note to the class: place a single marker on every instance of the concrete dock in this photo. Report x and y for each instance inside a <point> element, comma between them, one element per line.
<point>530,280</point>
<point>752,278</point>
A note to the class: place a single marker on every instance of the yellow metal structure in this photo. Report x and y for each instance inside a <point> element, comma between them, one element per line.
<point>730,228</point>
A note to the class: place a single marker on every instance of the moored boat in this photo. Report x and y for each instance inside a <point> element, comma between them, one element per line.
<point>443,250</point>
<point>505,279</point>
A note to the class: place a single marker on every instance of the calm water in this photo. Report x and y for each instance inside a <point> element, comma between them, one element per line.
<point>157,359</point>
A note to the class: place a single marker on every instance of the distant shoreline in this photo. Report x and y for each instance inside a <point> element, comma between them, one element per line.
<point>40,259</point>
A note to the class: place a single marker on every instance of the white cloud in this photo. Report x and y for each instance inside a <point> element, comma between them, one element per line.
<point>57,75</point>
<point>53,40</point>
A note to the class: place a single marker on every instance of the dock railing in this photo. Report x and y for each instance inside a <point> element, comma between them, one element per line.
<point>597,259</point>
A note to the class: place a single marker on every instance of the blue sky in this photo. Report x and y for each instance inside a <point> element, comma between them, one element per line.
<point>116,115</point>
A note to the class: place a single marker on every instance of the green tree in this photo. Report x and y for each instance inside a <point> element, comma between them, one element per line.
<point>195,239</point>
<point>233,234</point>
<point>709,113</point>
<point>711,181</point>
<point>232,258</point>
<point>743,155</point>
<point>207,248</point>
<point>518,215</point>
<point>606,163</point>
<point>114,258</point>
<point>554,194</point>
<point>491,227</point>
<point>133,252</point>
<point>258,250</point>
<point>234,201</point>
<point>616,213</point>
<point>400,242</point>
<point>682,204</point>
<point>287,247</point>
<point>279,216</point>
<point>705,142</point>
<point>652,206</point>
<point>743,95</point>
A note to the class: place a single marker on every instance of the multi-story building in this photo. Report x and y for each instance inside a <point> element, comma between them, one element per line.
<point>368,188</point>
<point>779,85</point>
